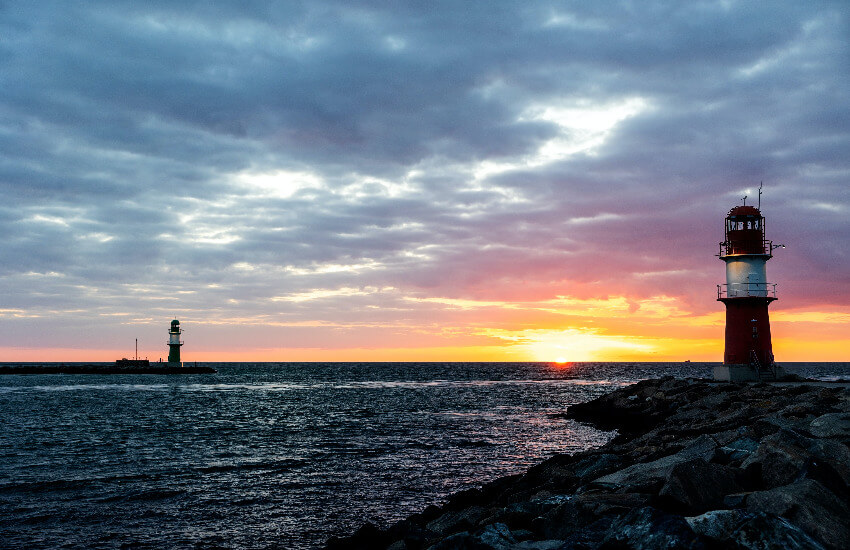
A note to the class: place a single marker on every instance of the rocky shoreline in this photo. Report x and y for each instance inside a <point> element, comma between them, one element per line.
<point>696,464</point>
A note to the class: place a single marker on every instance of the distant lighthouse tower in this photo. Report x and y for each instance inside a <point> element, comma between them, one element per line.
<point>174,343</point>
<point>747,295</point>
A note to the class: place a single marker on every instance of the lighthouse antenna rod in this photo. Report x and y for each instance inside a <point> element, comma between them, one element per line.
<point>760,184</point>
<point>137,349</point>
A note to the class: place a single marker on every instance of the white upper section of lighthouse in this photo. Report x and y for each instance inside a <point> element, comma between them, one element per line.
<point>746,276</point>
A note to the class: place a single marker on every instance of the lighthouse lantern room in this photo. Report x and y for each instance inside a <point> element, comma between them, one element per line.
<point>747,294</point>
<point>174,343</point>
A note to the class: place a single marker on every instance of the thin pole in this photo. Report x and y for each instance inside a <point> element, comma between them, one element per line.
<point>137,349</point>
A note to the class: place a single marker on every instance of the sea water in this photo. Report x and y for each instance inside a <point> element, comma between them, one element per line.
<point>280,455</point>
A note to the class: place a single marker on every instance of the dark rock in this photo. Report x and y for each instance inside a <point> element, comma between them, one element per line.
<point>521,515</point>
<point>810,506</point>
<point>456,520</point>
<point>717,524</point>
<point>787,456</point>
<point>562,521</point>
<point>493,537</point>
<point>410,533</point>
<point>553,475</point>
<point>575,515</point>
<point>590,536</point>
<point>763,532</point>
<point>596,465</point>
<point>460,541</point>
<point>736,500</point>
<point>832,460</point>
<point>780,459</point>
<point>650,476</point>
<point>699,486</point>
<point>604,503</point>
<point>831,425</point>
<point>461,499</point>
<point>497,536</point>
<point>737,450</point>
<point>648,528</point>
<point>631,409</point>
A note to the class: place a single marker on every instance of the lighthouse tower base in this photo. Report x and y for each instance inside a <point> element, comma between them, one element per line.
<point>742,373</point>
<point>736,373</point>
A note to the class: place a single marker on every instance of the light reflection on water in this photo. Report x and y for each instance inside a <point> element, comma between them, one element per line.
<point>283,455</point>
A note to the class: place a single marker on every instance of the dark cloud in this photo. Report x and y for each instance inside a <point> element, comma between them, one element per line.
<point>248,153</point>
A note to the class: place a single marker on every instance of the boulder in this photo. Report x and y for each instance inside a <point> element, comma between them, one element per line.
<point>562,521</point>
<point>456,520</point>
<point>763,532</point>
<point>831,425</point>
<point>632,409</point>
<point>717,524</point>
<point>589,536</point>
<point>780,459</point>
<point>496,536</point>
<point>738,450</point>
<point>595,465</point>
<point>605,503</point>
<point>810,506</point>
<point>521,515</point>
<point>699,486</point>
<point>736,500</point>
<point>460,541</point>
<point>648,529</point>
<point>554,475</point>
<point>650,476</point>
<point>787,456</point>
<point>831,465</point>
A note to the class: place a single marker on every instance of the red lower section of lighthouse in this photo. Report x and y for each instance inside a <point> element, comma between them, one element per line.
<point>748,331</point>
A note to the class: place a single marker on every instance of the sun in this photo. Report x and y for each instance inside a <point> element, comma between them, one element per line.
<point>560,360</point>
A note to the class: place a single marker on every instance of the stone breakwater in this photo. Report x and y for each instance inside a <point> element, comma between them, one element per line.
<point>153,368</point>
<point>695,465</point>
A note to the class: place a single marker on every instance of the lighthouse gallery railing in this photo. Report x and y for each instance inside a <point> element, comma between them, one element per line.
<point>729,249</point>
<point>745,290</point>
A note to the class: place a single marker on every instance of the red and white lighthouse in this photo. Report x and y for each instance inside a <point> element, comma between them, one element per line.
<point>747,295</point>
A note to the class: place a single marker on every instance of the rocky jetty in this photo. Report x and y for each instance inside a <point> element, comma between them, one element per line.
<point>105,368</point>
<point>695,464</point>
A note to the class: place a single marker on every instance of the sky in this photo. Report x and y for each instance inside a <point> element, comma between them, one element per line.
<point>420,181</point>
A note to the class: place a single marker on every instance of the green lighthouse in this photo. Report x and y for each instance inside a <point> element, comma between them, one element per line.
<point>174,343</point>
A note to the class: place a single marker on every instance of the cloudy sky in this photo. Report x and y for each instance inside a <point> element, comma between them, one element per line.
<point>433,181</point>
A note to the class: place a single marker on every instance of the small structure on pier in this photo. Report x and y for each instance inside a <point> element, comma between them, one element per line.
<point>748,354</point>
<point>174,344</point>
<point>132,363</point>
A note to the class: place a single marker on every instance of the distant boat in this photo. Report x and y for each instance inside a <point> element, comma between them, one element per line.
<point>687,360</point>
